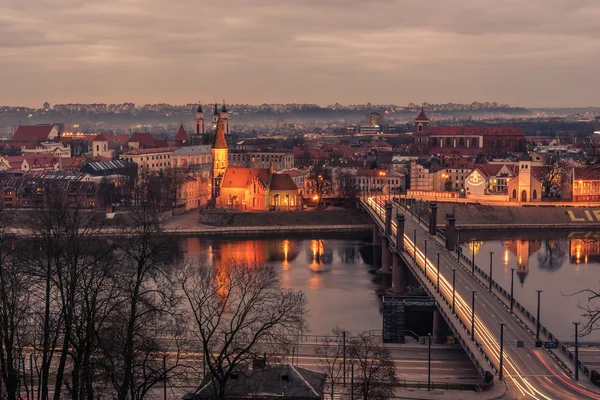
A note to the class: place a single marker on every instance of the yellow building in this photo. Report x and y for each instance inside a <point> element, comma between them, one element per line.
<point>150,160</point>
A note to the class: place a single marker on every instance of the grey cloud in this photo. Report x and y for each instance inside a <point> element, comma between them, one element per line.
<point>300,50</point>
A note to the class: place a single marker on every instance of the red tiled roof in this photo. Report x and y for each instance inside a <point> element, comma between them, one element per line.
<point>239,177</point>
<point>586,174</point>
<point>32,133</point>
<point>456,150</point>
<point>282,182</point>
<point>476,130</point>
<point>161,143</point>
<point>181,135</point>
<point>422,116</point>
<point>145,139</point>
<point>100,138</point>
<point>489,170</point>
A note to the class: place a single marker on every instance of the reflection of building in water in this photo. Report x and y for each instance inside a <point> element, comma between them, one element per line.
<point>522,249</point>
<point>283,251</point>
<point>474,244</point>
<point>584,250</point>
<point>249,251</point>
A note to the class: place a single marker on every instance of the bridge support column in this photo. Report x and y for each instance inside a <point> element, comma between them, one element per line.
<point>376,236</point>
<point>386,256</point>
<point>433,218</point>
<point>450,232</point>
<point>438,323</point>
<point>400,231</point>
<point>388,218</point>
<point>398,275</point>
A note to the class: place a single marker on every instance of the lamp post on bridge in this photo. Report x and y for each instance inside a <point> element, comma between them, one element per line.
<point>415,245</point>
<point>425,256</point>
<point>473,258</point>
<point>576,350</point>
<point>501,348</point>
<point>537,321</point>
<point>473,314</point>
<point>438,272</point>
<point>453,287</point>
<point>512,285</point>
<point>491,269</point>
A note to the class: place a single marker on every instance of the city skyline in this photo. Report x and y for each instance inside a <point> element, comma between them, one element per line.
<point>271,51</point>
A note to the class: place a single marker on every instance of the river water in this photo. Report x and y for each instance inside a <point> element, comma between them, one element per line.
<point>561,264</point>
<point>338,282</point>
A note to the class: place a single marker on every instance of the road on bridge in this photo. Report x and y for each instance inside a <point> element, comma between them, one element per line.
<point>530,372</point>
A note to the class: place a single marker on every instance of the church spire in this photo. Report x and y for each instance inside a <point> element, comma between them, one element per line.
<point>220,142</point>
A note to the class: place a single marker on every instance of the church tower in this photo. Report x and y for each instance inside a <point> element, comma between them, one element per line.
<point>199,127</point>
<point>524,193</point>
<point>220,155</point>
<point>215,117</point>
<point>422,122</point>
<point>224,114</point>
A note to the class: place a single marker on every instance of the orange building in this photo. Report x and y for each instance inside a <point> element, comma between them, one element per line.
<point>249,188</point>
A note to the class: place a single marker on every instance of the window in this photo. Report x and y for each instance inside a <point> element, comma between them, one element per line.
<point>534,195</point>
<point>514,194</point>
<point>420,128</point>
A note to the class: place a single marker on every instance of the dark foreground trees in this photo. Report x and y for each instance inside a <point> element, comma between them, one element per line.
<point>239,312</point>
<point>370,371</point>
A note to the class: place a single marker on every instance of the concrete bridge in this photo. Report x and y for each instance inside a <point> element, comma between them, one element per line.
<point>498,334</point>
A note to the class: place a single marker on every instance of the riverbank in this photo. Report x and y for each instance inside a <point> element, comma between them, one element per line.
<point>478,216</point>
<point>309,222</point>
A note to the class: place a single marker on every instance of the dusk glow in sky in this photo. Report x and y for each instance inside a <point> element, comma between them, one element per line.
<point>521,52</point>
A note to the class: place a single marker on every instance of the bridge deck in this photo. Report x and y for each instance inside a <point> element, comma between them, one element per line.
<point>532,372</point>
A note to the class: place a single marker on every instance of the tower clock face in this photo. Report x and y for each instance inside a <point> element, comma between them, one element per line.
<point>475,179</point>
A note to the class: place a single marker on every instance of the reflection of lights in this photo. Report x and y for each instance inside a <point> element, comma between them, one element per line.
<point>286,249</point>
<point>483,333</point>
<point>476,245</point>
<point>505,256</point>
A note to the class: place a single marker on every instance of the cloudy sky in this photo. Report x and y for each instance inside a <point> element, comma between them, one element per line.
<point>522,52</point>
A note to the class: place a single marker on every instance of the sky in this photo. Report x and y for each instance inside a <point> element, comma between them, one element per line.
<point>531,53</point>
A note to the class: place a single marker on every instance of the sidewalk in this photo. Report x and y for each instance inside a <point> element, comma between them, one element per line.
<point>499,391</point>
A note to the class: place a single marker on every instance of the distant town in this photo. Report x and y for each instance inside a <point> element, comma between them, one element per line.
<point>207,161</point>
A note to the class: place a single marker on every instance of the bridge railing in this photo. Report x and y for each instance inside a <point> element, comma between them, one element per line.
<point>499,289</point>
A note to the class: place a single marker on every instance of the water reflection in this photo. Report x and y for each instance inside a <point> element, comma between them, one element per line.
<point>332,272</point>
<point>558,263</point>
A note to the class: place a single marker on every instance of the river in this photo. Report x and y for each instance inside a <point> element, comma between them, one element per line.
<point>561,264</point>
<point>338,282</point>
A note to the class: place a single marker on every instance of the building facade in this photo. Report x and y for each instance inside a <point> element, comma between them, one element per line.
<point>280,160</point>
<point>150,160</point>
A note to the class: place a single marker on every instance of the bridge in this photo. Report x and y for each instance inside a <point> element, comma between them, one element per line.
<point>496,334</point>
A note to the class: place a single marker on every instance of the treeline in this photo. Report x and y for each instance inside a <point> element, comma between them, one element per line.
<point>86,315</point>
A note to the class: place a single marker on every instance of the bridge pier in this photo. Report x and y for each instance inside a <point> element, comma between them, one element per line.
<point>398,275</point>
<point>433,218</point>
<point>400,231</point>
<point>386,256</point>
<point>451,232</point>
<point>438,323</point>
<point>376,236</point>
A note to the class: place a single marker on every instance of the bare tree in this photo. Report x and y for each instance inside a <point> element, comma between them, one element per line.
<point>240,312</point>
<point>348,188</point>
<point>376,369</point>
<point>331,358</point>
<point>321,181</point>
<point>148,308</point>
<point>14,315</point>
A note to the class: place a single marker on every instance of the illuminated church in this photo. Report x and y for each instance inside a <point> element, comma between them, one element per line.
<point>240,187</point>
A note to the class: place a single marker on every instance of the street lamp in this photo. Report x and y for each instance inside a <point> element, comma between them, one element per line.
<point>473,258</point>
<point>425,256</point>
<point>576,351</point>
<point>501,348</point>
<point>429,366</point>
<point>537,322</point>
<point>512,285</point>
<point>453,287</point>
<point>473,314</point>
<point>438,272</point>
<point>491,270</point>
<point>415,245</point>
